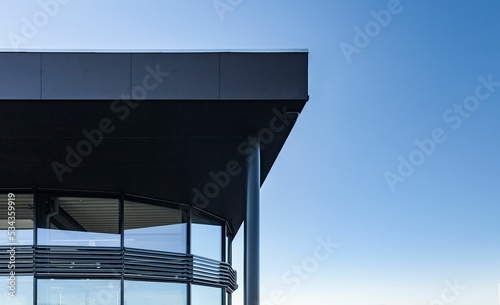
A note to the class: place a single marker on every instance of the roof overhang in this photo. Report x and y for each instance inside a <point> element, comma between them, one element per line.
<point>173,125</point>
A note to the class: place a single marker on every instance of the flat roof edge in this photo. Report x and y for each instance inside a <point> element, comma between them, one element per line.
<point>154,76</point>
<point>131,51</point>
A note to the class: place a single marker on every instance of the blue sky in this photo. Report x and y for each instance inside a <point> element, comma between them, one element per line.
<point>398,246</point>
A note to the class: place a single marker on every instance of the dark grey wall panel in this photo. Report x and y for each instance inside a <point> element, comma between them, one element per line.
<point>262,76</point>
<point>85,75</point>
<point>20,76</point>
<point>192,75</point>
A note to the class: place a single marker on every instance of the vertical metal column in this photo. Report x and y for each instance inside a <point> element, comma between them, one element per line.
<point>230,261</point>
<point>252,230</point>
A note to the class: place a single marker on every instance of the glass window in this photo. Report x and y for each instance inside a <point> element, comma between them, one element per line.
<point>154,227</point>
<point>154,293</point>
<point>78,292</point>
<point>16,220</point>
<point>203,295</point>
<point>79,221</point>
<point>206,237</point>
<point>19,292</point>
<point>238,246</point>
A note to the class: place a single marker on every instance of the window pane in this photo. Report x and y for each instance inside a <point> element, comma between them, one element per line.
<point>203,295</point>
<point>238,264</point>
<point>23,291</point>
<point>75,292</point>
<point>20,208</point>
<point>73,221</point>
<point>154,293</point>
<point>154,227</point>
<point>206,237</point>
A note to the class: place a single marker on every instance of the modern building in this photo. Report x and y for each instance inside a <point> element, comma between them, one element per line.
<point>124,177</point>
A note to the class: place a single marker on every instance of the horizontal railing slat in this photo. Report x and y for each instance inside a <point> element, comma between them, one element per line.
<point>131,263</point>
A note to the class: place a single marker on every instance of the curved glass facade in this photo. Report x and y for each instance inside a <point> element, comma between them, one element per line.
<point>82,248</point>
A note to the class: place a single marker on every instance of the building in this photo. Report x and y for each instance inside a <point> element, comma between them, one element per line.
<point>125,176</point>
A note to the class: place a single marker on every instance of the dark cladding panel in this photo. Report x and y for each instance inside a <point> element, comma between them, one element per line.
<point>191,75</point>
<point>264,76</point>
<point>20,76</point>
<point>85,76</point>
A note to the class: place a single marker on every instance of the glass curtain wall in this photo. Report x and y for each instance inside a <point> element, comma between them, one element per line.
<point>81,222</point>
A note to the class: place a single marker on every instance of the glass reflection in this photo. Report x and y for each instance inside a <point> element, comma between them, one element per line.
<point>79,221</point>
<point>203,295</point>
<point>18,211</point>
<point>154,293</point>
<point>154,227</point>
<point>23,291</point>
<point>206,237</point>
<point>78,292</point>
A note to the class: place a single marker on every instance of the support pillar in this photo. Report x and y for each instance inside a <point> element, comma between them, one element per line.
<point>252,230</point>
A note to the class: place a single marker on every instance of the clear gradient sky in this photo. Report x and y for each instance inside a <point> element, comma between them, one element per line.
<point>428,73</point>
